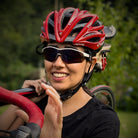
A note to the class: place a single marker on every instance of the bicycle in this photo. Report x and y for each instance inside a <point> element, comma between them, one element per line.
<point>104,94</point>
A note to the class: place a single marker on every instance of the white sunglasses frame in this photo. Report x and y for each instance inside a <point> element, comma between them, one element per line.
<point>60,49</point>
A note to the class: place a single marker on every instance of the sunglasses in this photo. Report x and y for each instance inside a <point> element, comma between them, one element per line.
<point>68,55</point>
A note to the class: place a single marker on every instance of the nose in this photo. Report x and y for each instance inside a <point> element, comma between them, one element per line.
<point>58,62</point>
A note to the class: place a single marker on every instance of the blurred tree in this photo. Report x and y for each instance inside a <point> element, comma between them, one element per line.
<point>20,29</point>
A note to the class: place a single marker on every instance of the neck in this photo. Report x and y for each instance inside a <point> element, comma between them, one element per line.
<point>74,103</point>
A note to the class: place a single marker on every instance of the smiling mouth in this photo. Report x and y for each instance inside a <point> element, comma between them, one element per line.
<point>59,75</point>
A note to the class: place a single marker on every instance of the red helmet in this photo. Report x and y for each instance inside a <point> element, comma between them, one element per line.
<point>78,27</point>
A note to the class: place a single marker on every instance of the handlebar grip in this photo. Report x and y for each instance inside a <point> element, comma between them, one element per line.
<point>30,89</point>
<point>27,92</point>
<point>31,130</point>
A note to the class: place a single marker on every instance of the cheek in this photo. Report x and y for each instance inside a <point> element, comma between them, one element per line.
<point>48,66</point>
<point>77,70</point>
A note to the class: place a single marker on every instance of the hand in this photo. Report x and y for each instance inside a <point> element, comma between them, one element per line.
<point>35,83</point>
<point>52,127</point>
<point>39,90</point>
<point>12,118</point>
<point>23,115</point>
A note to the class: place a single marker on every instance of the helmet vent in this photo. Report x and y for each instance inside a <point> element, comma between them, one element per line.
<point>51,24</point>
<point>100,31</point>
<point>94,39</point>
<point>96,24</point>
<point>85,20</point>
<point>65,22</point>
<point>66,17</point>
<point>79,26</point>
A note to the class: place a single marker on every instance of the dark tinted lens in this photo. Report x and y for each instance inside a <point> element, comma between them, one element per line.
<point>71,56</point>
<point>50,54</point>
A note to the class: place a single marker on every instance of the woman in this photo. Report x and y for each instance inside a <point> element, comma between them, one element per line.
<point>70,40</point>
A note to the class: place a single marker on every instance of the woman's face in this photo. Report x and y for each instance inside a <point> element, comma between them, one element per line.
<point>63,76</point>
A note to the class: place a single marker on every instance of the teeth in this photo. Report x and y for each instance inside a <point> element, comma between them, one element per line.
<point>58,75</point>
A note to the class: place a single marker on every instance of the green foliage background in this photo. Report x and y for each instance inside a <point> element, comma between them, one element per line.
<point>20,23</point>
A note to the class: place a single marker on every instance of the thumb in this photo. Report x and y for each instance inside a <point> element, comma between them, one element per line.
<point>23,115</point>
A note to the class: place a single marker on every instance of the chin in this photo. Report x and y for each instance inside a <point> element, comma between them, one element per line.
<point>59,87</point>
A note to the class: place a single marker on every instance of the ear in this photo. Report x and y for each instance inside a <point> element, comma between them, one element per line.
<point>91,64</point>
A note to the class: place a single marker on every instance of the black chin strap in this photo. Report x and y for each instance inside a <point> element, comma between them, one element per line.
<point>70,93</point>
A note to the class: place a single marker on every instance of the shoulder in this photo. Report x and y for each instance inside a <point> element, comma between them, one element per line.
<point>101,111</point>
<point>103,121</point>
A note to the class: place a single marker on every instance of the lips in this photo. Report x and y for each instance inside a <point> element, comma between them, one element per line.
<point>59,76</point>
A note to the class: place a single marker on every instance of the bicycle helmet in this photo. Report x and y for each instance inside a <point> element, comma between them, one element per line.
<point>71,25</point>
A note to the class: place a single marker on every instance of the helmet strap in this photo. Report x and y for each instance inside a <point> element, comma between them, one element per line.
<point>68,94</point>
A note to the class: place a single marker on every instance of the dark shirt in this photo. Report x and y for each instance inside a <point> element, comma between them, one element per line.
<point>94,120</point>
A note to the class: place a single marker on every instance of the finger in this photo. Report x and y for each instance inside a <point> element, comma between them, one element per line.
<point>23,115</point>
<point>18,122</point>
<point>53,94</point>
<point>57,103</point>
<point>39,88</point>
<point>38,98</point>
<point>26,84</point>
<point>55,97</point>
<point>45,86</point>
<point>36,84</point>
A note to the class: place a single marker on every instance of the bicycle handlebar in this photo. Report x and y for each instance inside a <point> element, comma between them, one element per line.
<point>36,117</point>
<point>26,92</point>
